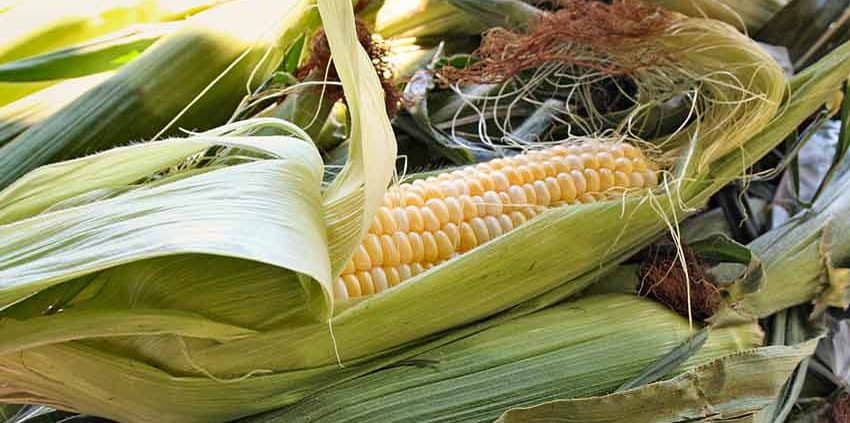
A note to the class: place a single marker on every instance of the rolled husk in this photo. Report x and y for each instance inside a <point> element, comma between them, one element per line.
<point>578,349</point>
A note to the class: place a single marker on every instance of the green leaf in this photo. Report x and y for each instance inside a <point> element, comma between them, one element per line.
<point>99,55</point>
<point>294,55</point>
<point>20,115</point>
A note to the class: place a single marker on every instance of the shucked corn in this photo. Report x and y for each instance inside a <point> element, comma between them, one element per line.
<point>426,222</point>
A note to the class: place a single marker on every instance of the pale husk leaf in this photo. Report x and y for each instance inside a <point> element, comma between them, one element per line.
<point>736,387</point>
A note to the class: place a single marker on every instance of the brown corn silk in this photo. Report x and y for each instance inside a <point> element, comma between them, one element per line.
<point>687,289</point>
<point>585,33</point>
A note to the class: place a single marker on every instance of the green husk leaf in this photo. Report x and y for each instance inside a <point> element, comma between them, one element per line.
<point>733,388</point>
<point>438,18</point>
<point>192,79</point>
<point>20,115</point>
<point>804,259</point>
<point>748,15</point>
<point>38,26</point>
<point>722,249</point>
<point>99,55</point>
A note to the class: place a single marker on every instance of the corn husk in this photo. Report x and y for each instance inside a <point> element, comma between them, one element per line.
<point>748,15</point>
<point>143,268</point>
<point>804,260</point>
<point>192,79</point>
<point>102,54</point>
<point>578,349</point>
<point>39,26</point>
<point>428,18</point>
<point>33,109</point>
<point>740,387</point>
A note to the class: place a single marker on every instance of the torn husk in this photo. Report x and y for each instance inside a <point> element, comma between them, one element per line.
<point>741,384</point>
<point>804,259</point>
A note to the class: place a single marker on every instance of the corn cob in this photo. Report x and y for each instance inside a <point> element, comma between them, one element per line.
<point>426,222</point>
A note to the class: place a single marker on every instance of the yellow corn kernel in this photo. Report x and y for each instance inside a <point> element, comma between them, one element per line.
<point>372,244</point>
<point>405,250</point>
<point>361,259</point>
<point>468,240</point>
<point>453,232</point>
<point>427,222</point>
<point>492,204</point>
<point>431,221</point>
<point>417,246</point>
<point>379,279</point>
<point>392,257</point>
<point>414,219</point>
<point>445,247</point>
<point>393,276</point>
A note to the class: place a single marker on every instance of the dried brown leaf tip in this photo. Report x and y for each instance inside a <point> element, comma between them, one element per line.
<point>608,38</point>
<point>376,48</point>
<point>663,279</point>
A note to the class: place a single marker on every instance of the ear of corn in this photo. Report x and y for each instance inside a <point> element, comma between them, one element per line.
<point>199,74</point>
<point>578,349</point>
<point>138,309</point>
<point>427,222</point>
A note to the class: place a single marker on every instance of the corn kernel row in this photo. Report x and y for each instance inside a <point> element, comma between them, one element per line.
<point>427,222</point>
